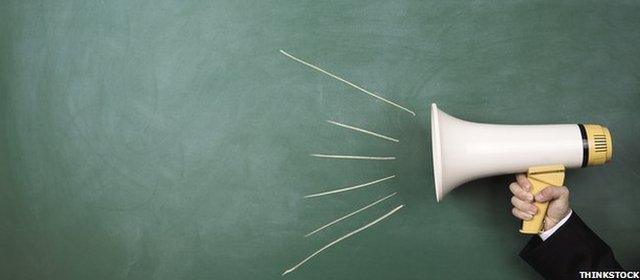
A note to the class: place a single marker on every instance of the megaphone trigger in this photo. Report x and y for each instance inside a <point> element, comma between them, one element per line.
<point>540,178</point>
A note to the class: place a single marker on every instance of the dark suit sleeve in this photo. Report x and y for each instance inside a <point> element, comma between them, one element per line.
<point>572,248</point>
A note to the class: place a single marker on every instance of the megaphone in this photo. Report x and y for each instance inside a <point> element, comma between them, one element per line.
<point>464,151</point>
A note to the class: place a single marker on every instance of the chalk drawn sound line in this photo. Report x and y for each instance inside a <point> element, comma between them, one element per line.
<point>347,82</point>
<point>352,157</point>
<point>364,131</point>
<point>342,238</point>
<point>350,188</point>
<point>350,214</point>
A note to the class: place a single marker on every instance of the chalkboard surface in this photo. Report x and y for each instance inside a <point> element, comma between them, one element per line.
<point>172,139</point>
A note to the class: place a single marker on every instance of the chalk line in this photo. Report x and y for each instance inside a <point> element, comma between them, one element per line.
<point>342,238</point>
<point>346,82</point>
<point>350,214</point>
<point>352,157</point>
<point>350,188</point>
<point>364,131</point>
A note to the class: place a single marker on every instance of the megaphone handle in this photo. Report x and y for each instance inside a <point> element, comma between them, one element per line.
<point>540,178</point>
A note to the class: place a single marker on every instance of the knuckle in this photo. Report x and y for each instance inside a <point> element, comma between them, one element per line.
<point>558,191</point>
<point>514,200</point>
<point>522,179</point>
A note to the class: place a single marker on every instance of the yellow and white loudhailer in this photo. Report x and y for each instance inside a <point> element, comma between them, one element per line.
<point>464,151</point>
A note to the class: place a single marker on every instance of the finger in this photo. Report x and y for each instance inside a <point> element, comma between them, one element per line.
<point>524,206</point>
<point>520,193</point>
<point>523,182</point>
<point>551,192</point>
<point>521,215</point>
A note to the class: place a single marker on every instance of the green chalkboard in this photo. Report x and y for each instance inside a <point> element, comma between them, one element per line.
<point>172,139</point>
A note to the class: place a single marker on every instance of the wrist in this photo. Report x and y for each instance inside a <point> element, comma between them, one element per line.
<point>550,222</point>
<point>546,233</point>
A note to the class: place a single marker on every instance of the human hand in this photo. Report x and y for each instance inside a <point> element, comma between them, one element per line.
<point>523,201</point>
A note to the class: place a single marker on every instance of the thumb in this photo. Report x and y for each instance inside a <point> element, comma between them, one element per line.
<point>550,193</point>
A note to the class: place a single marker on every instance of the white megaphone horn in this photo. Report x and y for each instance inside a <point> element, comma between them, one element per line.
<point>464,151</point>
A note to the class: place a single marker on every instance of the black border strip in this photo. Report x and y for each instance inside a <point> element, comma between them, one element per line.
<point>585,145</point>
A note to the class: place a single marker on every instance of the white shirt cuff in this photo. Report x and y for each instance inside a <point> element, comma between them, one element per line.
<point>547,233</point>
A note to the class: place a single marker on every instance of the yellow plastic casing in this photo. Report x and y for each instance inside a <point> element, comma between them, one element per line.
<point>599,143</point>
<point>540,178</point>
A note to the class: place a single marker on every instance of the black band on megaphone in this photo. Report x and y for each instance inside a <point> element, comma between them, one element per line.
<point>585,145</point>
